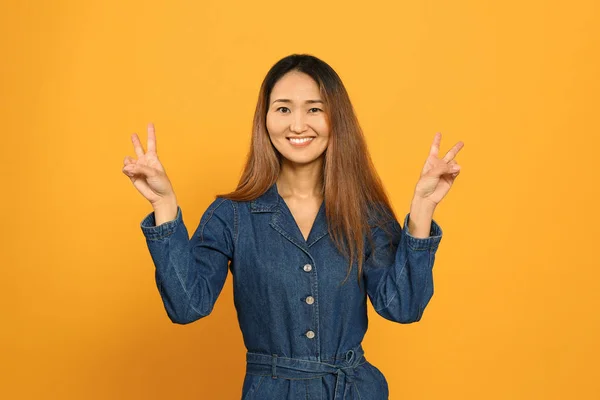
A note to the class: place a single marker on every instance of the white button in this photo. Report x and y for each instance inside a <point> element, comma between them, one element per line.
<point>307,267</point>
<point>310,300</point>
<point>310,334</point>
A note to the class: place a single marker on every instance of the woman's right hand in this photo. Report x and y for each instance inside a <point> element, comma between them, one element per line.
<point>146,173</point>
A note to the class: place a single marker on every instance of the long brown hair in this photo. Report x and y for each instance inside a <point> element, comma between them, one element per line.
<point>353,192</point>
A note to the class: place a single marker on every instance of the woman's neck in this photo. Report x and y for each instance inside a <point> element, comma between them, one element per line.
<point>301,181</point>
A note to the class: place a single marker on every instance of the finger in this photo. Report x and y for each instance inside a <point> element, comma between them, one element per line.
<point>139,150</point>
<point>128,160</point>
<point>136,169</point>
<point>453,166</point>
<point>444,168</point>
<point>435,146</point>
<point>453,151</point>
<point>151,138</point>
<point>128,170</point>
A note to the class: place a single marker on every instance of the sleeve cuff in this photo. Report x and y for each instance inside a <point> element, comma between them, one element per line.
<point>429,243</point>
<point>161,231</point>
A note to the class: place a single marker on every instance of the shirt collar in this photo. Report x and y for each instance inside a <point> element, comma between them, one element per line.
<point>267,202</point>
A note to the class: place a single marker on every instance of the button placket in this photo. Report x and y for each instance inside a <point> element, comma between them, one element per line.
<point>309,300</point>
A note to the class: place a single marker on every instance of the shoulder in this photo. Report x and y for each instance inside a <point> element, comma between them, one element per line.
<point>221,211</point>
<point>221,205</point>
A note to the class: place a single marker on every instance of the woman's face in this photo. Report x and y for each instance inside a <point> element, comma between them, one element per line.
<point>296,119</point>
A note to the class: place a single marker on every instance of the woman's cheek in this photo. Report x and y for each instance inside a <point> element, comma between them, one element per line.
<point>324,126</point>
<point>275,128</point>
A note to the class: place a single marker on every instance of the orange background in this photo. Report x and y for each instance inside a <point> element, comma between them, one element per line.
<point>515,314</point>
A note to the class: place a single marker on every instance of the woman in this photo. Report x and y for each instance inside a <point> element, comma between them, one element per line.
<point>308,213</point>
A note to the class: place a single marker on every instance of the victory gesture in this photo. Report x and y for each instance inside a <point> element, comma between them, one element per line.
<point>438,175</point>
<point>146,173</point>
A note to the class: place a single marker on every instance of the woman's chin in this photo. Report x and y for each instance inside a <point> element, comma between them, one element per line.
<point>296,160</point>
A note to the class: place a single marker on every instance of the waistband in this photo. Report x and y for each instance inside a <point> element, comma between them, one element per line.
<point>296,368</point>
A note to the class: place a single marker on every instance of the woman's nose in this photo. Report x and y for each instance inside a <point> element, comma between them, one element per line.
<point>298,124</point>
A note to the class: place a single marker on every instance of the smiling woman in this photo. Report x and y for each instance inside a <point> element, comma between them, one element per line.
<point>309,211</point>
<point>299,124</point>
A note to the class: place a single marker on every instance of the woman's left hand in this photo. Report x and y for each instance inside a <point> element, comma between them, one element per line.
<point>437,175</point>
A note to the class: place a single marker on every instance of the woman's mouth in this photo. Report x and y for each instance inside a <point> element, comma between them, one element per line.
<point>300,142</point>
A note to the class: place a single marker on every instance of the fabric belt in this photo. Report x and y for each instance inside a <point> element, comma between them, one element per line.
<point>297,368</point>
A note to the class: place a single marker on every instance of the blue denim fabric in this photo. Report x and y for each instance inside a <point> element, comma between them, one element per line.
<point>302,329</point>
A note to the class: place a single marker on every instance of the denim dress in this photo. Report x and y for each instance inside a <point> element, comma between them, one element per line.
<point>301,327</point>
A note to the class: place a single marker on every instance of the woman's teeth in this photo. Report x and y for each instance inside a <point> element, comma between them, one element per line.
<point>298,141</point>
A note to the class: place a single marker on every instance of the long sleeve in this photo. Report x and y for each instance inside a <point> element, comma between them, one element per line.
<point>190,272</point>
<point>399,273</point>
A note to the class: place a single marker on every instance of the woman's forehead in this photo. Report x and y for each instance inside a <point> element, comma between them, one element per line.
<point>296,87</point>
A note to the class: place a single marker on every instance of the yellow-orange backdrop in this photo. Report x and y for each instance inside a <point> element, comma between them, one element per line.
<point>515,310</point>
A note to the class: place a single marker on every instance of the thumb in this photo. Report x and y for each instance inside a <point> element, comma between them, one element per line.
<point>441,169</point>
<point>448,168</point>
<point>452,168</point>
<point>136,169</point>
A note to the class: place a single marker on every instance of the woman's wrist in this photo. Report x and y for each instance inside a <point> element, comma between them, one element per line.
<point>165,210</point>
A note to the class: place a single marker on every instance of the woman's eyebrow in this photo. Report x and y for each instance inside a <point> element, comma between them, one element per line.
<point>306,102</point>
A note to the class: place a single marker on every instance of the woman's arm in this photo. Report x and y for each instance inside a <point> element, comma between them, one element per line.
<point>190,272</point>
<point>398,273</point>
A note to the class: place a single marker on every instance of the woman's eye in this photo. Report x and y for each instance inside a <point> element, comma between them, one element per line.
<point>285,109</point>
